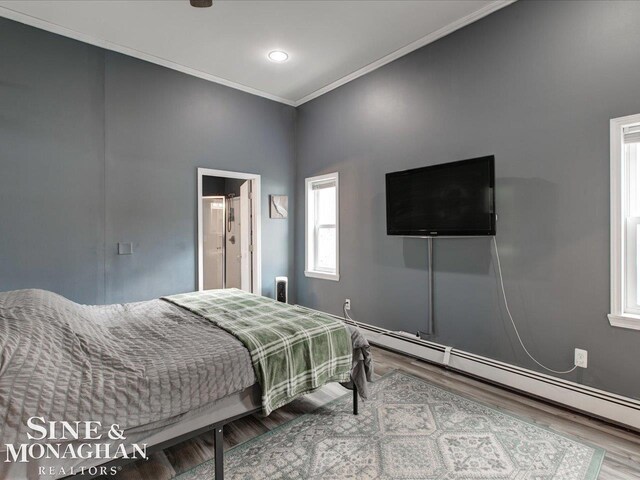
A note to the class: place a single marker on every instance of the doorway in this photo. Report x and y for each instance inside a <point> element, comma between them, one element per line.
<point>228,230</point>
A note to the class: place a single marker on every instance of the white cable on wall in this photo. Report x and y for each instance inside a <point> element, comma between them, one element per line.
<point>347,318</point>
<point>506,304</point>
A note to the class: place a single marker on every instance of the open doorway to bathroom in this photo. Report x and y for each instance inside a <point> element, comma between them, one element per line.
<point>228,230</point>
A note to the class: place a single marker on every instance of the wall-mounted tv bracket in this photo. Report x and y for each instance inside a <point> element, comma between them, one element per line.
<point>429,329</point>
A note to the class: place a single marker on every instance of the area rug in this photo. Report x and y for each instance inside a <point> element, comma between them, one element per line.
<point>408,429</point>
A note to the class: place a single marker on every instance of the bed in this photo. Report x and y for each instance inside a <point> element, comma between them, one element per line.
<point>161,370</point>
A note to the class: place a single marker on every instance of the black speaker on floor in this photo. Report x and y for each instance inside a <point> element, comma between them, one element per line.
<point>282,289</point>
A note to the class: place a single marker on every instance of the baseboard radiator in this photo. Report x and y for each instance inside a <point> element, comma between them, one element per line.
<point>618,409</point>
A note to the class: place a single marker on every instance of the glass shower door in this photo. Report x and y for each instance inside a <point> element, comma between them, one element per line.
<point>213,241</point>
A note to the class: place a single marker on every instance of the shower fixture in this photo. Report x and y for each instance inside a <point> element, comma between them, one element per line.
<point>231,217</point>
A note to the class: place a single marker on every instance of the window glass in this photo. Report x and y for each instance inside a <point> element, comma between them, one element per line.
<point>326,257</point>
<point>326,198</point>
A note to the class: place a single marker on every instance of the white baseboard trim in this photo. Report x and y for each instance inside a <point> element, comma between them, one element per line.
<point>614,408</point>
<point>609,406</point>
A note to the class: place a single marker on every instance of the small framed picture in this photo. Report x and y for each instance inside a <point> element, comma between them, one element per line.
<point>278,206</point>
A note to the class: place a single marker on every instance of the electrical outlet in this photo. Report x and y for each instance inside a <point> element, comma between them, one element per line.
<point>347,304</point>
<point>581,358</point>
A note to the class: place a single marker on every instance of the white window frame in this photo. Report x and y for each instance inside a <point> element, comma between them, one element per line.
<point>309,240</point>
<point>619,317</point>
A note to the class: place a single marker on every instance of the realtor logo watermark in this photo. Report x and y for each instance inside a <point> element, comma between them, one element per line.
<point>74,440</point>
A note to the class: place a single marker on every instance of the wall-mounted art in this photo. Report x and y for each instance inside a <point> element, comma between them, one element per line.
<point>278,206</point>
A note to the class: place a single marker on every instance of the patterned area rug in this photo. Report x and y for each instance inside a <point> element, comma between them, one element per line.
<point>408,429</point>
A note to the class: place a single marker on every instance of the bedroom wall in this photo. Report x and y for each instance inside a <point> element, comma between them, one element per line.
<point>160,126</point>
<point>51,164</point>
<point>535,84</point>
<point>98,148</point>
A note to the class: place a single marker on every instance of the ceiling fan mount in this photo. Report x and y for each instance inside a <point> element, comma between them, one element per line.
<point>201,3</point>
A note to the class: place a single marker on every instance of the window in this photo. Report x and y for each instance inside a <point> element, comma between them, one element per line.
<point>322,238</point>
<point>625,222</point>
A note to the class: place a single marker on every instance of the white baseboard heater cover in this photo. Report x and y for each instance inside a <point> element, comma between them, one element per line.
<point>618,409</point>
<point>615,408</point>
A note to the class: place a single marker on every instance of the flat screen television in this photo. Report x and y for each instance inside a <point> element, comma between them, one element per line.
<point>449,199</point>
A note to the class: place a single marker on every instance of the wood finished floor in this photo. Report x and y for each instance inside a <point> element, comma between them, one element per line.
<point>622,460</point>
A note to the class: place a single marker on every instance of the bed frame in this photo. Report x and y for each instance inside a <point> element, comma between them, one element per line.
<point>217,441</point>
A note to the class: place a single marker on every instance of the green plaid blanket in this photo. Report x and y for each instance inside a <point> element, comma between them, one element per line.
<point>293,350</point>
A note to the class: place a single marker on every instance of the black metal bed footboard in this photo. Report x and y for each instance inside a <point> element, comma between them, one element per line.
<point>218,439</point>
<point>218,444</point>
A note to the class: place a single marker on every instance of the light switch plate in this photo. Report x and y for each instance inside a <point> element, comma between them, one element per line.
<point>125,248</point>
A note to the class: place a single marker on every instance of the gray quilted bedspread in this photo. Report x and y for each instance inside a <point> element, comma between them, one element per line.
<point>130,364</point>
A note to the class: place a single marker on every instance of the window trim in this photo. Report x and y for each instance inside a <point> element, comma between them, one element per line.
<point>309,226</point>
<point>618,317</point>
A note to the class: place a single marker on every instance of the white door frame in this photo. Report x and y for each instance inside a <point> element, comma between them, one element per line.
<point>257,237</point>
<point>245,237</point>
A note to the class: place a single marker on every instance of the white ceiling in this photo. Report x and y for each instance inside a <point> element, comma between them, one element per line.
<point>329,42</point>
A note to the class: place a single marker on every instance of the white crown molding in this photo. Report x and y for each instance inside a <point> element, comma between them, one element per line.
<point>421,42</point>
<point>106,44</point>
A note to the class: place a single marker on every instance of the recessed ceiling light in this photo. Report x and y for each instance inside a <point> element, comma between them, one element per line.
<point>278,56</point>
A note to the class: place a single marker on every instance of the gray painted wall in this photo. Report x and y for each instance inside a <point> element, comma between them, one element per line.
<point>535,84</point>
<point>51,164</point>
<point>98,148</point>
<point>160,126</point>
